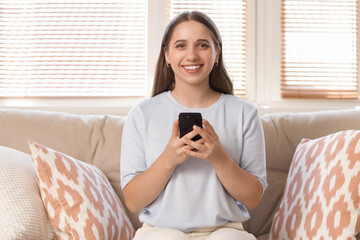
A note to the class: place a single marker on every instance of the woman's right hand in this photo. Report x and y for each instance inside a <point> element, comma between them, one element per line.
<point>146,187</point>
<point>175,150</point>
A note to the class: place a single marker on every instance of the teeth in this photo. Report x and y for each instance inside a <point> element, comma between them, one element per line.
<point>192,67</point>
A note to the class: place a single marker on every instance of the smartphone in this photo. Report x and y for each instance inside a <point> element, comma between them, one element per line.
<point>186,122</point>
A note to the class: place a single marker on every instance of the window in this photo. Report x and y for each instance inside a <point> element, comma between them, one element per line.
<point>88,48</point>
<point>230,18</point>
<point>96,56</point>
<point>320,49</point>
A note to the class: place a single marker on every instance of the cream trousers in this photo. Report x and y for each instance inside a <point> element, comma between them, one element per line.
<point>229,231</point>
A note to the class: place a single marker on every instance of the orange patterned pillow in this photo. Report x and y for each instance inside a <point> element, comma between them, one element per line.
<point>321,199</point>
<point>78,198</point>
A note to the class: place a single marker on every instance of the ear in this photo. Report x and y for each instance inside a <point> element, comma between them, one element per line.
<point>218,55</point>
<point>166,57</point>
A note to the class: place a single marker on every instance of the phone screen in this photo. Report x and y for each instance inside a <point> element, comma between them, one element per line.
<point>187,121</point>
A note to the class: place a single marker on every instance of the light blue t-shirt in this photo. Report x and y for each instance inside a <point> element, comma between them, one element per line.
<point>194,196</point>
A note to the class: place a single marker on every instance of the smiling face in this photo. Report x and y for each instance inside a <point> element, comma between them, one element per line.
<point>191,52</point>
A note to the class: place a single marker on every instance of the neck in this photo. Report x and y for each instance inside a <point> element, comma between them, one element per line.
<point>195,97</point>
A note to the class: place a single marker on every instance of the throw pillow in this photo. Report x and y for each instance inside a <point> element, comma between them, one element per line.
<point>321,199</point>
<point>78,197</point>
<point>22,213</point>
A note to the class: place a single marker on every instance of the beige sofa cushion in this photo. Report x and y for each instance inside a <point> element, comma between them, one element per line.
<point>92,139</point>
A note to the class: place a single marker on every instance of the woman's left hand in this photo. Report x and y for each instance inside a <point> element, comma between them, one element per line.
<point>240,184</point>
<point>209,147</point>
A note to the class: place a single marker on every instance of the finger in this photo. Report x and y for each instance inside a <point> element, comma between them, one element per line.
<point>209,128</point>
<point>201,141</point>
<point>194,145</point>
<point>190,135</point>
<point>175,130</point>
<point>187,147</point>
<point>193,153</point>
<point>203,133</point>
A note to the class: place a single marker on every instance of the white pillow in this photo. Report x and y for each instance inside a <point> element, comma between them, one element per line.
<point>22,213</point>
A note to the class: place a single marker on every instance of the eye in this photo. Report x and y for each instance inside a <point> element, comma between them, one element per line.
<point>203,45</point>
<point>180,45</point>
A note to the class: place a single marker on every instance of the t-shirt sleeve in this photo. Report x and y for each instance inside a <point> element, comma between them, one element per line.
<point>132,159</point>
<point>253,158</point>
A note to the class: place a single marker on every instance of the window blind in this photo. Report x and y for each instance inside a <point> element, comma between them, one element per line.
<point>230,18</point>
<point>67,48</point>
<point>320,49</point>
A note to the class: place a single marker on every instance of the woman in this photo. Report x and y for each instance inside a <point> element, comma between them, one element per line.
<point>189,189</point>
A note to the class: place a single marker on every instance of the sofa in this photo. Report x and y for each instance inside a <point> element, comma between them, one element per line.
<point>96,139</point>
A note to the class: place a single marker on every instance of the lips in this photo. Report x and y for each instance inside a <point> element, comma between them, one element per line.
<point>192,68</point>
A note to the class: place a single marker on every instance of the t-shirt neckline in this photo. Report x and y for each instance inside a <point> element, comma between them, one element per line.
<point>184,108</point>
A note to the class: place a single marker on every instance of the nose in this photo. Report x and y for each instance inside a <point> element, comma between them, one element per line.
<point>192,54</point>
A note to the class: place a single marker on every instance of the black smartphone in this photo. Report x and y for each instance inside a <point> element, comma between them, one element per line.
<point>186,122</point>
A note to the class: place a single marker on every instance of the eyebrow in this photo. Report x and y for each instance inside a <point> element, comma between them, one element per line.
<point>199,40</point>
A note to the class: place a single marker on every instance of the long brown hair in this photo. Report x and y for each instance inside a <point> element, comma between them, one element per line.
<point>164,79</point>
